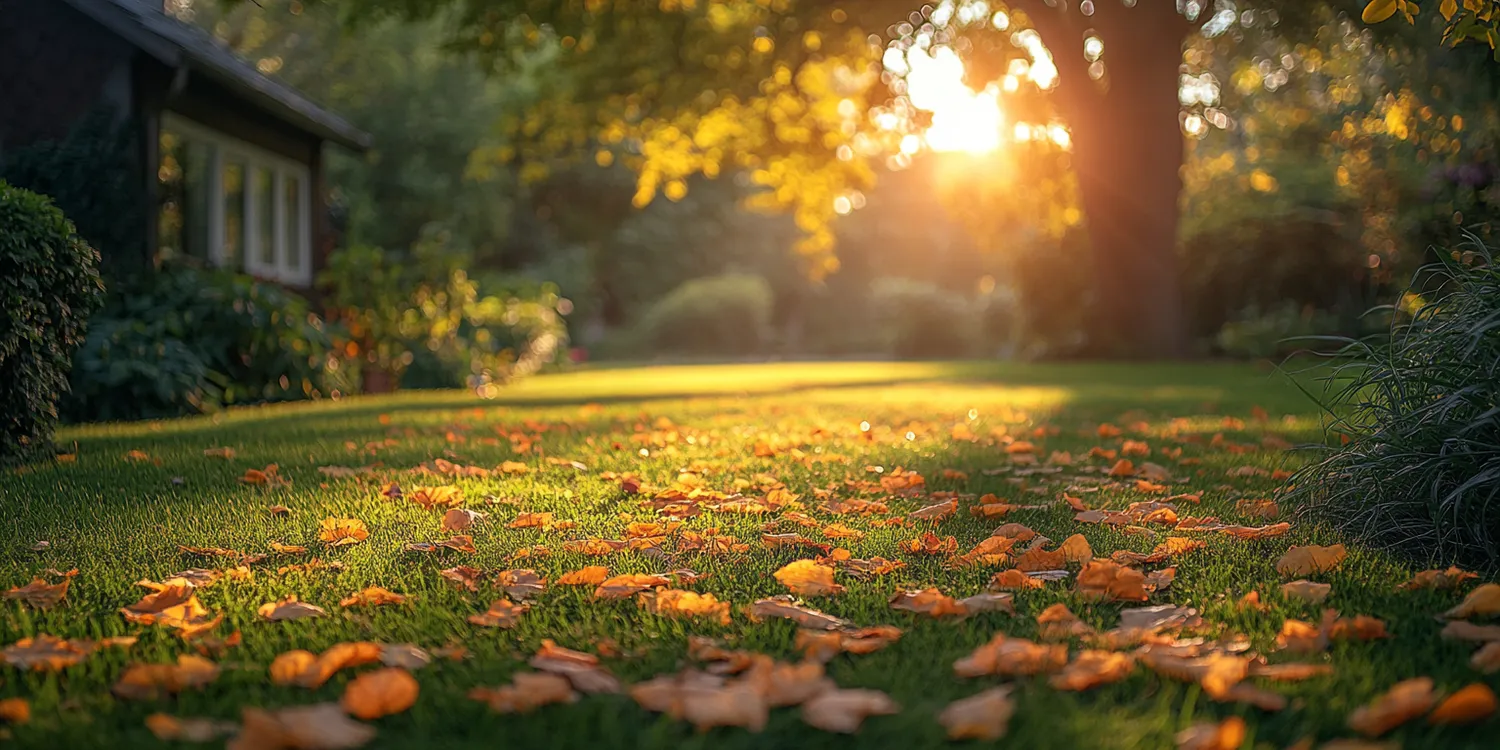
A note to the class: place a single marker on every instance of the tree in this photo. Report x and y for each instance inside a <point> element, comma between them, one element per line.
<point>781,90</point>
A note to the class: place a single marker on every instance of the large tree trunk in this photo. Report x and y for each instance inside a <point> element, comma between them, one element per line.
<point>1127,155</point>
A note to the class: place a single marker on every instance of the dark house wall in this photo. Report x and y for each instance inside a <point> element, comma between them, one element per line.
<point>56,65</point>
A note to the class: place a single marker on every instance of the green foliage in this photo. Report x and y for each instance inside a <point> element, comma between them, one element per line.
<point>1270,333</point>
<point>726,315</point>
<point>93,175</point>
<point>184,339</point>
<point>921,320</point>
<point>1419,417</point>
<point>49,285</point>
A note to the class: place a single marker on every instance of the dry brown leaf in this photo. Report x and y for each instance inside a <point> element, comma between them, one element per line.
<point>466,576</point>
<point>287,549</point>
<point>174,604</point>
<point>431,497</point>
<point>1090,669</point>
<point>1309,560</point>
<point>1292,672</point>
<point>1215,672</point>
<point>527,691</point>
<point>1075,549</point>
<point>322,726</point>
<point>1483,601</point>
<point>380,693</point>
<point>1109,581</point>
<point>339,532</point>
<point>785,607</point>
<point>289,609</point>
<point>521,583</point>
<point>591,575</point>
<point>1228,734</point>
<point>1451,578</point>
<point>1019,532</point>
<point>459,519</point>
<point>1473,702</point>
<point>1266,509</point>
<point>459,543</point>
<point>808,578</point>
<point>934,603</point>
<point>581,669</point>
<point>1014,580</point>
<point>629,584</point>
<point>310,670</point>
<point>267,477</point>
<point>45,653</point>
<point>1464,630</point>
<point>372,596</point>
<point>935,512</point>
<point>1036,559</point>
<point>1057,623</point>
<point>40,594</point>
<point>1003,655</point>
<point>404,655</point>
<point>984,716</point>
<point>929,544</point>
<point>823,645</point>
<point>704,700</point>
<point>151,681</point>
<point>1306,591</point>
<point>1300,637</point>
<point>840,531</point>
<point>177,729</point>
<point>503,613</point>
<point>1403,702</point>
<point>1487,658</point>
<point>681,603</point>
<point>783,684</point>
<point>1257,532</point>
<point>844,711</point>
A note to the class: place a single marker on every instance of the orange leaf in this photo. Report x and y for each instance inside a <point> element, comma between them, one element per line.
<point>527,691</point>
<point>1438,579</point>
<point>503,613</point>
<point>380,693</point>
<point>1403,702</point>
<point>1104,579</point>
<point>844,711</point>
<point>372,596</point>
<point>323,725</point>
<point>1093,668</point>
<point>152,681</point>
<point>337,532</point>
<point>1303,561</point>
<point>984,716</point>
<point>808,578</point>
<point>1228,734</point>
<point>591,575</point>
<point>681,603</point>
<point>629,584</point>
<point>1004,655</point>
<point>289,609</point>
<point>1472,703</point>
<point>1482,601</point>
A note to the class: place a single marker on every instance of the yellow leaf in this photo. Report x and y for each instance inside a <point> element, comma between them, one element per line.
<point>1484,600</point>
<point>1448,8</point>
<point>1379,10</point>
<point>808,578</point>
<point>985,716</point>
<point>1402,703</point>
<point>1302,561</point>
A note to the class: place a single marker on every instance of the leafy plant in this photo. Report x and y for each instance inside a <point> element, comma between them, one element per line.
<point>186,339</point>
<point>1419,417</point>
<point>716,315</point>
<point>49,284</point>
<point>922,320</point>
<point>1281,330</point>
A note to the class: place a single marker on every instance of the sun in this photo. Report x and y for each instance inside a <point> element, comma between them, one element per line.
<point>962,120</point>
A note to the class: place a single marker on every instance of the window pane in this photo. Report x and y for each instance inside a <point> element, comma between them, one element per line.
<point>169,178</point>
<point>197,160</point>
<point>292,221</point>
<point>234,212</point>
<point>265,218</point>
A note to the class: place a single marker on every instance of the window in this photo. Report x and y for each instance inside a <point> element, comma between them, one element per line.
<point>233,204</point>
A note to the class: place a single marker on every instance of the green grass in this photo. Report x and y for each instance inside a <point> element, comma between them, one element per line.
<point>118,522</point>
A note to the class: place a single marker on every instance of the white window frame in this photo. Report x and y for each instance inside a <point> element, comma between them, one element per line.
<point>281,169</point>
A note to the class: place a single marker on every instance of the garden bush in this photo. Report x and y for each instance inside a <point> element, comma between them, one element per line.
<point>921,320</point>
<point>184,339</point>
<point>727,315</point>
<point>49,285</point>
<point>1418,419</point>
<point>1281,330</point>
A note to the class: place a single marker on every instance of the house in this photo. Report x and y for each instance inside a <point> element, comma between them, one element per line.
<point>228,162</point>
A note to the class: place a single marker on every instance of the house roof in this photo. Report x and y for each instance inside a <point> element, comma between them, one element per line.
<point>177,44</point>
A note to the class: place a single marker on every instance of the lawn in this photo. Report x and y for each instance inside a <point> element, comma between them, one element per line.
<point>760,430</point>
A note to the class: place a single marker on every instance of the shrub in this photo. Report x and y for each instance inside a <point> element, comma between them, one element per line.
<point>1279,331</point>
<point>49,284</point>
<point>1419,415</point>
<point>185,339</point>
<point>716,315</point>
<point>921,320</point>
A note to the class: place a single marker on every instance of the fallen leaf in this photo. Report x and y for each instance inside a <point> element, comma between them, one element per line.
<point>459,543</point>
<point>503,613</point>
<point>934,603</point>
<point>1483,601</point>
<point>1109,581</point>
<point>1467,631</point>
<point>935,512</point>
<point>783,684</point>
<point>785,608</point>
<point>1036,559</point>
<point>15,711</point>
<point>177,729</point>
<point>458,519</point>
<point>1305,561</point>
<point>1090,669</point>
<point>929,544</point>
<point>310,670</point>
<point>1403,702</point>
<point>1293,672</point>
<point>521,584</point>
<point>404,655</point>
<point>466,576</point>
<point>1451,578</point>
<point>152,681</point>
<point>1228,734</point>
<point>380,693</point>
<point>1074,549</point>
<point>527,691</point>
<point>528,520</point>
<point>322,726</point>
<point>592,575</point>
<point>823,645</point>
<point>984,716</point>
<point>223,452</point>
<point>45,653</point>
<point>581,669</point>
<point>1057,623</point>
<point>372,596</point>
<point>1473,702</point>
<point>629,584</point>
<point>704,700</point>
<point>1306,591</point>
<point>1004,655</point>
<point>1215,672</point>
<point>339,532</point>
<point>1487,658</point>
<point>682,603</point>
<point>844,711</point>
<point>289,609</point>
<point>267,477</point>
<point>173,603</point>
<point>1014,580</point>
<point>431,497</point>
<point>1266,509</point>
<point>808,578</point>
<point>1259,532</point>
<point>39,594</point>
